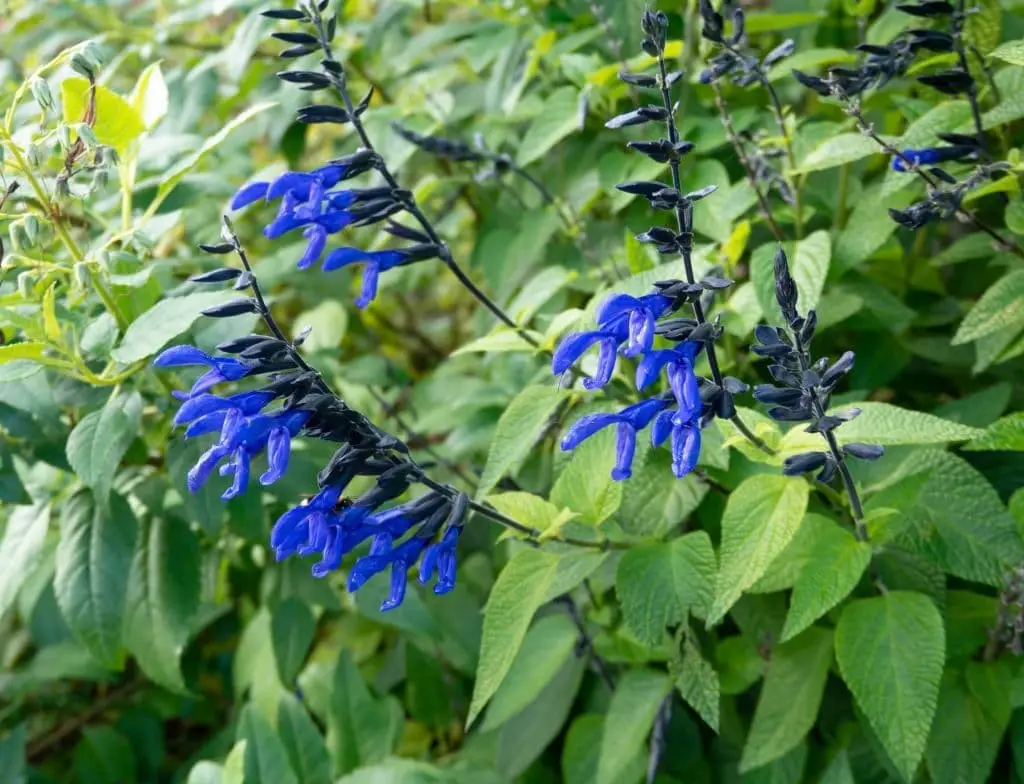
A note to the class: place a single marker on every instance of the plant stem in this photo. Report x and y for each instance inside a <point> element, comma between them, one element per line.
<point>684,226</point>
<point>586,642</point>
<point>338,80</point>
<point>741,153</point>
<point>662,718</point>
<point>959,19</point>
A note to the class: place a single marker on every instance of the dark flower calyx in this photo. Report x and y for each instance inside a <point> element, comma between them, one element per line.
<point>863,451</point>
<point>928,9</point>
<point>639,116</point>
<point>217,249</point>
<point>949,82</point>
<point>816,83</point>
<point>284,13</point>
<point>234,308</point>
<point>638,80</point>
<point>221,275</point>
<point>785,286</point>
<point>713,22</point>
<point>803,463</point>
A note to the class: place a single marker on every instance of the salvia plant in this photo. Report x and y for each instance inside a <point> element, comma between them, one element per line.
<point>478,392</point>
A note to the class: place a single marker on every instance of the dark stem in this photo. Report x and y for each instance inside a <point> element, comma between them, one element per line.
<point>586,642</point>
<point>658,740</point>
<point>959,19</point>
<point>741,153</point>
<point>684,225</point>
<point>338,80</point>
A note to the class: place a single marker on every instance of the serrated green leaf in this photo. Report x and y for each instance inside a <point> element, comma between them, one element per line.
<point>266,761</point>
<point>547,646</point>
<point>788,706</point>
<point>784,571</point>
<point>761,517</point>
<point>292,627</point>
<point>99,441</point>
<point>519,590</point>
<point>659,584</point>
<point>654,501</point>
<point>163,598</point>
<point>559,118</point>
<point>518,429</point>
<point>94,558</point>
<point>1004,434</point>
<point>585,485</point>
<point>530,510</point>
<point>984,26</point>
<point>1000,307</point>
<point>303,743</point>
<point>837,150</point>
<point>1010,52</point>
<point>163,322</point>
<point>21,544</point>
<point>826,579</point>
<point>890,651</point>
<point>629,720</point>
<point>698,684</point>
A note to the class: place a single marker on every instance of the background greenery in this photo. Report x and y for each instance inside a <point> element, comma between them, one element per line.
<point>146,635</point>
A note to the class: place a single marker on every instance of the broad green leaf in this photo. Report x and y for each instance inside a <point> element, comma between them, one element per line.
<point>99,441</point>
<point>810,60</point>
<point>117,123</point>
<point>517,593</point>
<point>292,627</point>
<point>254,669</point>
<point>103,754</point>
<point>837,150</point>
<point>1011,52</point>
<point>177,173</point>
<point>984,27</point>
<point>885,424</point>
<point>361,728</point>
<point>1000,307</point>
<point>698,684</point>
<point>328,322</point>
<point>234,764</point>
<point>302,742</point>
<point>629,720</point>
<point>12,756</point>
<point>205,772</point>
<point>583,747</point>
<point>499,341</point>
<point>890,651</point>
<point>1006,434</point>
<point>809,261</point>
<point>659,584</point>
<point>826,579</point>
<point>788,706</point>
<point>559,118</point>
<point>654,501</point>
<point>547,646</point>
<point>973,713</point>
<point>784,571</point>
<point>519,427</point>
<point>761,517</point>
<point>266,761</point>
<point>94,558</point>
<point>786,770</point>
<point>163,597</point>
<point>24,350</point>
<point>149,97</point>
<point>21,543</point>
<point>163,322</point>
<point>531,510</point>
<point>585,485</point>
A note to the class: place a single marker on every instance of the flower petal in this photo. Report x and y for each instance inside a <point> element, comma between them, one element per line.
<point>177,356</point>
<point>572,347</point>
<point>625,448</point>
<point>585,427</point>
<point>279,445</point>
<point>317,237</point>
<point>371,273</point>
<point>249,193</point>
<point>341,257</point>
<point>685,449</point>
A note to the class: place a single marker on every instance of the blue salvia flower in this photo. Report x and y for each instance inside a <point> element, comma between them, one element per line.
<point>221,368</point>
<point>628,422</point>
<point>960,148</point>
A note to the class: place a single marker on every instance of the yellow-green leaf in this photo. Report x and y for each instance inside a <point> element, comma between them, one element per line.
<point>27,350</point>
<point>117,124</point>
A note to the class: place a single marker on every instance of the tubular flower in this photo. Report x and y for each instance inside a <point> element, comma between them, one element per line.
<point>628,422</point>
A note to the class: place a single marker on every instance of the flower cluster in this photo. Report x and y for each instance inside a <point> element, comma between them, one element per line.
<point>735,60</point>
<point>803,388</point>
<point>943,203</point>
<point>628,325</point>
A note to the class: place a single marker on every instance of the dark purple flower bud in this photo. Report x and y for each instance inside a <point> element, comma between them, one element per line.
<point>864,451</point>
<point>222,275</point>
<point>785,286</point>
<point>803,463</point>
<point>929,9</point>
<point>234,308</point>
<point>949,82</point>
<point>839,368</point>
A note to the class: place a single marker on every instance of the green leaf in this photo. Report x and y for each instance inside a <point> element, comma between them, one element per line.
<point>234,764</point>
<point>761,516</point>
<point>302,742</point>
<point>205,772</point>
<point>103,754</point>
<point>328,322</point>
<point>266,761</point>
<point>808,262</point>
<point>1011,52</point>
<point>149,97</point>
<point>530,510</point>
<point>826,579</point>
<point>99,441</point>
<point>629,720</point>
<point>519,590</point>
<point>519,427</point>
<point>25,350</point>
<point>1000,307</point>
<point>890,651</point>
<point>659,584</point>
<point>292,627</point>
<point>117,123</point>
<point>12,756</point>
<point>788,706</point>
<point>21,544</point>
<point>654,501</point>
<point>837,150</point>
<point>585,485</point>
<point>163,322</point>
<point>163,597</point>
<point>94,557</point>
<point>983,28</point>
<point>170,179</point>
<point>1004,434</point>
<point>583,747</point>
<point>787,770</point>
<point>547,646</point>
<point>498,342</point>
<point>559,118</point>
<point>361,728</point>
<point>698,684</point>
<point>973,714</point>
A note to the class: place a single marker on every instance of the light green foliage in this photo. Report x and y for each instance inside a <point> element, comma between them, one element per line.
<point>628,721</point>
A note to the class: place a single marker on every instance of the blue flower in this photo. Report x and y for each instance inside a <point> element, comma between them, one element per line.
<point>930,155</point>
<point>621,319</point>
<point>679,360</point>
<point>221,368</point>
<point>383,555</point>
<point>682,423</point>
<point>440,558</point>
<point>629,421</point>
<point>376,262</point>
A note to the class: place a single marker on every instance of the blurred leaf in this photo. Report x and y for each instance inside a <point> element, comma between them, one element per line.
<point>999,308</point>
<point>266,761</point>
<point>12,756</point>
<point>761,516</point>
<point>302,742</point>
<point>149,97</point>
<point>698,684</point>
<point>99,441</point>
<point>22,544</point>
<point>837,150</point>
<point>163,322</point>
<point>94,557</point>
<point>103,755</point>
<point>890,651</point>
<point>117,123</point>
<point>292,627</point>
<point>1011,52</point>
<point>361,728</point>
<point>629,720</point>
<point>1005,434</point>
<point>558,119</point>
